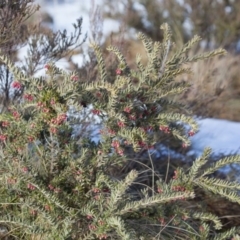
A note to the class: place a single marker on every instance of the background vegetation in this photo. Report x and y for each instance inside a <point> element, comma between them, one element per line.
<point>217,22</point>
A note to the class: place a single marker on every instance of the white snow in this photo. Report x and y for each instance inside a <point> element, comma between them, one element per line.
<point>222,136</point>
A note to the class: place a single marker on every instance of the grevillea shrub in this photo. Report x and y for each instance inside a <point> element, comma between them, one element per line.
<point>57,186</point>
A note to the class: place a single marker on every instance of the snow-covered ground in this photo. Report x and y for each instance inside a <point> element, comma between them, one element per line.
<point>221,135</point>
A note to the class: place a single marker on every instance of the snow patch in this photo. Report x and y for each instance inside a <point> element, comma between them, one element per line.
<point>222,136</point>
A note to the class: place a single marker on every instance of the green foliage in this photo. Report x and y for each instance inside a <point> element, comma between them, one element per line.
<point>54,186</point>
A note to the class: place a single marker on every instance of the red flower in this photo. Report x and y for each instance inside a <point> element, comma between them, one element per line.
<point>47,208</point>
<point>175,175</point>
<point>5,124</point>
<point>178,188</point>
<point>102,236</point>
<point>132,117</point>
<point>28,97</point>
<point>141,144</point>
<point>96,111</point>
<point>59,119</point>
<point>33,212</point>
<point>101,131</point>
<point>115,144</point>
<point>53,130</point>
<point>201,228</point>
<point>111,132</point>
<point>11,180</point>
<point>121,124</point>
<point>46,110</point>
<point>52,102</point>
<point>165,129</point>
<point>184,145</point>
<point>98,95</point>
<point>16,115</point>
<point>47,66</point>
<point>162,221</point>
<point>25,169</point>
<point>92,227</point>
<point>30,186</point>
<point>118,71</point>
<point>40,105</point>
<point>30,139</point>
<point>50,187</point>
<point>127,109</point>
<point>96,190</point>
<point>3,137</point>
<point>191,133</point>
<point>16,84</point>
<point>78,172</point>
<point>106,190</point>
<point>101,222</point>
<point>74,78</point>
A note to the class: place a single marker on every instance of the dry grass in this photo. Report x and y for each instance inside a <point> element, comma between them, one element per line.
<point>215,83</point>
<point>215,90</point>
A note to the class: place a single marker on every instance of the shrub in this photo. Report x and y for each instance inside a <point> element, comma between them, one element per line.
<point>56,186</point>
<point>216,81</point>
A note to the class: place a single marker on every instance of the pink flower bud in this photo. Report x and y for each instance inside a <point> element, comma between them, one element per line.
<point>47,66</point>
<point>74,78</point>
<point>30,186</point>
<point>191,133</point>
<point>3,137</point>
<point>5,124</point>
<point>121,124</point>
<point>16,85</point>
<point>127,109</point>
<point>25,169</point>
<point>118,71</point>
<point>96,111</point>
<point>50,187</point>
<point>28,97</point>
<point>164,129</point>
